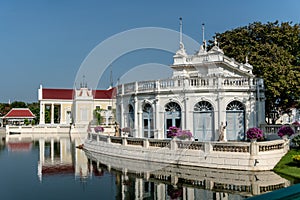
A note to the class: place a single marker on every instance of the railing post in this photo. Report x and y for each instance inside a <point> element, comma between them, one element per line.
<point>174,145</point>
<point>254,148</point>
<point>124,141</point>
<point>145,143</point>
<point>207,147</point>
<point>108,139</point>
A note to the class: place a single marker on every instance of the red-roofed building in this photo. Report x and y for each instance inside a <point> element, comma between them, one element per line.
<point>18,116</point>
<point>75,106</point>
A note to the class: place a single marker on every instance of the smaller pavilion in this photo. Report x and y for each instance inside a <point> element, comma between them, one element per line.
<point>17,116</point>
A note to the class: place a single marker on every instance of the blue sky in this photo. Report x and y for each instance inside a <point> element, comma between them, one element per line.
<point>45,41</point>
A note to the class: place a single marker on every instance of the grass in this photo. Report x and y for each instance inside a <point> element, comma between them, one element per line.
<point>287,166</point>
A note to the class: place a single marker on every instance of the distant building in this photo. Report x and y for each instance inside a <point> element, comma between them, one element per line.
<point>18,116</point>
<point>75,106</point>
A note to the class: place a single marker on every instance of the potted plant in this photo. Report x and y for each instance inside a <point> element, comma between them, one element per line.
<point>285,131</point>
<point>254,134</point>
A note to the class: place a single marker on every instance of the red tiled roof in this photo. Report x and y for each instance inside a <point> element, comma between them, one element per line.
<point>104,94</point>
<point>67,94</point>
<point>19,113</point>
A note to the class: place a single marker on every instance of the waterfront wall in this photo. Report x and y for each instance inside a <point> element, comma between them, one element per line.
<point>255,156</point>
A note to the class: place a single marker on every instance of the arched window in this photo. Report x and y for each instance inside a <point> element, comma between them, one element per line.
<point>235,117</point>
<point>148,129</point>
<point>172,115</point>
<point>203,117</point>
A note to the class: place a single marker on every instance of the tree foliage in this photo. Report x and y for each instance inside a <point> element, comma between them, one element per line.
<point>274,51</point>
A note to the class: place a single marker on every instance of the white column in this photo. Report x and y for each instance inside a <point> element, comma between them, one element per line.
<point>42,113</point>
<point>158,129</point>
<point>136,122</point>
<point>61,120</point>
<point>122,119</point>
<point>140,127</point>
<point>42,158</point>
<point>52,113</point>
<point>42,150</point>
<point>52,150</point>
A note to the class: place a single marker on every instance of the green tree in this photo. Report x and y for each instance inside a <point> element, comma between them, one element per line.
<point>97,115</point>
<point>35,109</point>
<point>274,51</point>
<point>18,104</point>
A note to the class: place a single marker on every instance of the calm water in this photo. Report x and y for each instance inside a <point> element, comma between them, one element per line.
<point>65,172</point>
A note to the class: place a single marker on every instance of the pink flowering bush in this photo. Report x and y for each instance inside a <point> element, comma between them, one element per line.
<point>285,130</point>
<point>99,129</point>
<point>182,134</point>
<point>254,133</point>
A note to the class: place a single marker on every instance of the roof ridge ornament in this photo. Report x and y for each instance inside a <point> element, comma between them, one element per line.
<point>203,47</point>
<point>181,51</point>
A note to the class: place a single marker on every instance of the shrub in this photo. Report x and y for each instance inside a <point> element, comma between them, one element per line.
<point>285,130</point>
<point>296,140</point>
<point>182,134</point>
<point>254,133</point>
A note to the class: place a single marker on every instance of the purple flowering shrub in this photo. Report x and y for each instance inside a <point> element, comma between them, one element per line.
<point>182,134</point>
<point>254,133</point>
<point>98,129</point>
<point>285,130</point>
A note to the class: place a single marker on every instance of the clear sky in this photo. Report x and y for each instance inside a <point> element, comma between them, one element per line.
<point>46,41</point>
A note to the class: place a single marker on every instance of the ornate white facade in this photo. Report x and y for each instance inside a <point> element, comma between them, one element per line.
<point>206,89</point>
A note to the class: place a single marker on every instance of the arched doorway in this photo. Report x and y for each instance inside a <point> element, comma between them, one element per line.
<point>130,117</point>
<point>235,117</point>
<point>203,121</point>
<point>148,121</point>
<point>172,115</point>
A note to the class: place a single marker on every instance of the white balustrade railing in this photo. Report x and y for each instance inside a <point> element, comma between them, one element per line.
<point>251,148</point>
<point>187,84</point>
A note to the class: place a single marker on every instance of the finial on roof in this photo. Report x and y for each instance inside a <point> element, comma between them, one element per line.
<point>181,50</point>
<point>216,42</point>
<point>247,59</point>
<point>83,84</point>
<point>180,30</point>
<point>203,37</point>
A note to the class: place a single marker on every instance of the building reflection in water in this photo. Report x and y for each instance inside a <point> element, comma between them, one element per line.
<point>145,180</point>
<point>59,156</point>
<point>139,180</point>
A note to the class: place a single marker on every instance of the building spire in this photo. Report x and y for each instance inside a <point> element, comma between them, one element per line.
<point>203,32</point>
<point>180,30</point>
<point>203,37</point>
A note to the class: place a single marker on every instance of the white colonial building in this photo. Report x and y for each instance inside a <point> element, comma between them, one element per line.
<point>207,89</point>
<point>75,106</point>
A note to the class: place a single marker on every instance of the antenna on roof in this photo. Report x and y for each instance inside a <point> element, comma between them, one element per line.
<point>180,29</point>
<point>111,77</point>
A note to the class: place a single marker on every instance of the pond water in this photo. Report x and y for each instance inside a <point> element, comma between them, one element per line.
<point>55,169</point>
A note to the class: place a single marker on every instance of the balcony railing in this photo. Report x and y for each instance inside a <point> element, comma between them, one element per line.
<point>187,84</point>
